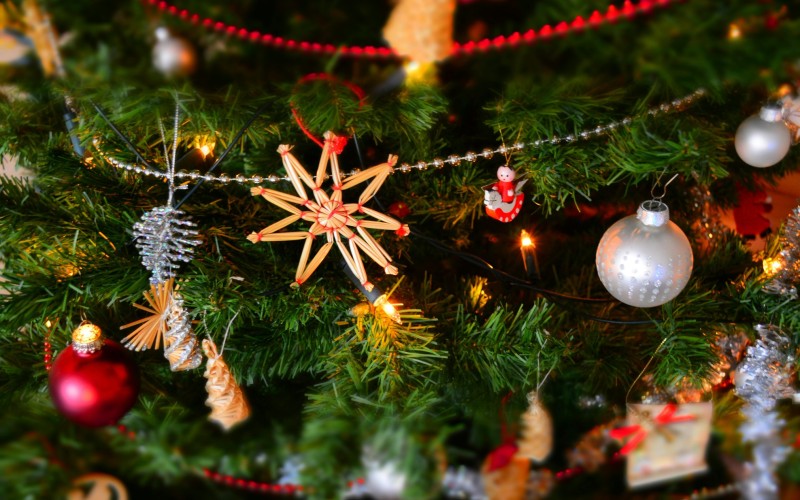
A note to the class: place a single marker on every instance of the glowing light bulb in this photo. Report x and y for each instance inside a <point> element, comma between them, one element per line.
<point>48,323</point>
<point>411,67</point>
<point>772,266</point>
<point>527,247</point>
<point>525,239</point>
<point>784,90</point>
<point>383,303</point>
<point>419,73</point>
<point>204,145</point>
<point>734,32</point>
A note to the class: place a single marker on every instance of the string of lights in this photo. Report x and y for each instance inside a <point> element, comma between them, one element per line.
<point>628,11</point>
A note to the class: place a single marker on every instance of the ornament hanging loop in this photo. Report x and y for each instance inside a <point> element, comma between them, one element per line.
<point>227,332</point>
<point>664,189</point>
<point>646,366</point>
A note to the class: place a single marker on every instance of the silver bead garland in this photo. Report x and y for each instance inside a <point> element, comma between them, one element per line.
<point>453,160</point>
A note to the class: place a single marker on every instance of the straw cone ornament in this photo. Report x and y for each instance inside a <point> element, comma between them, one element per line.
<point>537,431</point>
<point>167,322</point>
<point>329,215</point>
<point>180,342</point>
<point>422,30</point>
<point>225,397</point>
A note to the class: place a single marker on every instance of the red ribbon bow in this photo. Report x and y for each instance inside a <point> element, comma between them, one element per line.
<point>638,433</point>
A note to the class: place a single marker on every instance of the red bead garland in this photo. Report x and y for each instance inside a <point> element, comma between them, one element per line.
<point>563,28</point>
<point>47,347</point>
<point>250,485</point>
<point>292,489</point>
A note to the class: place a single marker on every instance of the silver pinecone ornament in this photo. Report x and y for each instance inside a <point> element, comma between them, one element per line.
<point>165,239</point>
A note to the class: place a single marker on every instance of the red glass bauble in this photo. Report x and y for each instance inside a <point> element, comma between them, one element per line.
<point>94,389</point>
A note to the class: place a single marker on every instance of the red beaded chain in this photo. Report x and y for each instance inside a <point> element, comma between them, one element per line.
<point>291,489</point>
<point>48,348</point>
<point>563,28</point>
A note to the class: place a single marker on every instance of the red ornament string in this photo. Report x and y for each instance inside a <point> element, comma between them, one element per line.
<point>613,14</point>
<point>311,77</point>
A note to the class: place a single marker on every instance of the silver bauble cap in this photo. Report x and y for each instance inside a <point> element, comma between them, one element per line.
<point>653,213</point>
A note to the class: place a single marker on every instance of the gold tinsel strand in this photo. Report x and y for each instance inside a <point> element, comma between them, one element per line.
<point>537,431</point>
<point>225,397</point>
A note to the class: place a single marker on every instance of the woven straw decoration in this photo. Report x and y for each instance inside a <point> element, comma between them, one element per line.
<point>180,342</point>
<point>225,397</point>
<point>537,431</point>
<point>508,482</point>
<point>421,29</point>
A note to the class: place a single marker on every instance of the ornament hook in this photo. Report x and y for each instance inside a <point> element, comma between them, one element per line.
<point>227,331</point>
<point>664,189</point>
<point>647,365</point>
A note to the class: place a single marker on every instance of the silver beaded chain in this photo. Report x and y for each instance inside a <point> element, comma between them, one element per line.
<point>437,163</point>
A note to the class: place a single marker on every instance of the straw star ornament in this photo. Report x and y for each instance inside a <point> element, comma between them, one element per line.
<point>343,224</point>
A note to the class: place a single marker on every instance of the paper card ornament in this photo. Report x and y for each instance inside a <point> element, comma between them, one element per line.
<point>665,441</point>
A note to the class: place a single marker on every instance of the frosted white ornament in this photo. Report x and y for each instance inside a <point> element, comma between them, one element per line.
<point>763,139</point>
<point>645,260</point>
<point>173,56</point>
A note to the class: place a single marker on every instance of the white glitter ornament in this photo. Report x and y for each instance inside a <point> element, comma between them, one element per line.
<point>763,139</point>
<point>645,260</point>
<point>173,56</point>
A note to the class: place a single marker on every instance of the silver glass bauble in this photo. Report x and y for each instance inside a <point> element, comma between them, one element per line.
<point>763,139</point>
<point>645,260</point>
<point>173,56</point>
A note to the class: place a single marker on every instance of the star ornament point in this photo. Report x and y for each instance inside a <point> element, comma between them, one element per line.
<point>336,223</point>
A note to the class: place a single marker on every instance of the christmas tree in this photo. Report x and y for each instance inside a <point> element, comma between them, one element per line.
<point>417,250</point>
